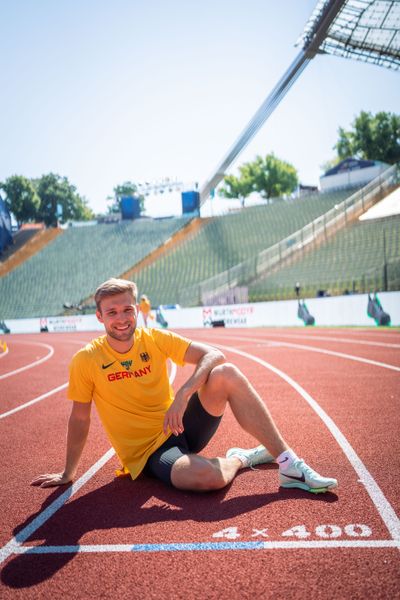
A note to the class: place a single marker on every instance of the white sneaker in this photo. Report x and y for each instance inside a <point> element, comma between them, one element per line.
<point>300,475</point>
<point>251,456</point>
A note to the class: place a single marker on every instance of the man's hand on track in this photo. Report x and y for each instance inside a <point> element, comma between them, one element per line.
<point>51,480</point>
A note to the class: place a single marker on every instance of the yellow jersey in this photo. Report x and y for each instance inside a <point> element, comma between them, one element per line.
<point>131,391</point>
<point>145,306</point>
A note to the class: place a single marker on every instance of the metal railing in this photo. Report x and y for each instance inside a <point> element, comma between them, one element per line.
<point>384,278</point>
<point>320,228</point>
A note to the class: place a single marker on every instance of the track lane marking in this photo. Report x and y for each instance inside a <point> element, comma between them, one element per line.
<point>33,364</point>
<point>368,361</point>
<point>43,396</point>
<point>335,339</point>
<point>38,399</point>
<point>12,547</point>
<point>30,365</point>
<point>58,389</point>
<point>383,506</point>
<point>389,517</point>
<point>199,546</point>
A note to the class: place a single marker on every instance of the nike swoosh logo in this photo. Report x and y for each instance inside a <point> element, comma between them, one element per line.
<point>302,478</point>
<point>283,461</point>
<point>109,365</point>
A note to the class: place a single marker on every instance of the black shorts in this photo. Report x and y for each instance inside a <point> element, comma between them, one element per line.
<point>199,428</point>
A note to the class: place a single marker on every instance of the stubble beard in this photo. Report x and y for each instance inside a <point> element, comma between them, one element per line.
<point>122,336</point>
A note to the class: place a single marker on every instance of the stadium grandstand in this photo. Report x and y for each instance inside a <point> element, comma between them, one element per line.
<point>225,241</point>
<point>317,239</point>
<point>293,247</point>
<point>363,257</point>
<point>68,270</point>
<point>296,229</point>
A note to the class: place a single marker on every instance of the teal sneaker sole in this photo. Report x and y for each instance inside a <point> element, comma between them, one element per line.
<point>305,487</point>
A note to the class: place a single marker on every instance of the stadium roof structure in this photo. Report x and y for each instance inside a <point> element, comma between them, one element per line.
<point>367,30</point>
<point>362,29</point>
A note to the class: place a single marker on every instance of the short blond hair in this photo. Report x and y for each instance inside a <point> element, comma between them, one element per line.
<point>112,287</point>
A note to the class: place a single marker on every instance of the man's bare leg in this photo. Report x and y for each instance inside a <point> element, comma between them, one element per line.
<point>197,473</point>
<point>226,384</point>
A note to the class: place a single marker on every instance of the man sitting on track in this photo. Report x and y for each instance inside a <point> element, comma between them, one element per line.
<point>125,373</point>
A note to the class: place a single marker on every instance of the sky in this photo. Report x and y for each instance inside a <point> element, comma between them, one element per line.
<point>105,92</point>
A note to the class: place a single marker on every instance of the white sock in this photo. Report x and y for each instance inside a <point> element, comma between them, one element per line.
<point>286,459</point>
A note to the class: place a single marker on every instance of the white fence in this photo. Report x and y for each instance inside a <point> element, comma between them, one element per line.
<point>348,310</point>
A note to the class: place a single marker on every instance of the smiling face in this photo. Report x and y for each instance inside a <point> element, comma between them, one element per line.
<point>118,313</point>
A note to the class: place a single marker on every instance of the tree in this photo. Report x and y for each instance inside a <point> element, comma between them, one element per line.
<point>127,189</point>
<point>373,137</point>
<point>269,176</point>
<point>56,192</point>
<point>237,187</point>
<point>274,177</point>
<point>21,198</point>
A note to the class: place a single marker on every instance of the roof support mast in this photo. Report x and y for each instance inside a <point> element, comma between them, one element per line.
<point>311,45</point>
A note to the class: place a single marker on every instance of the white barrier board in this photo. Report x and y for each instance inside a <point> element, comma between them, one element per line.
<point>339,311</point>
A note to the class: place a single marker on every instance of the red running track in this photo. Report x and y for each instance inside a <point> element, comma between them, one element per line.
<point>334,394</point>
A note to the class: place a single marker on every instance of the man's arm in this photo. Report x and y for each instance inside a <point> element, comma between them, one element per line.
<point>205,358</point>
<point>78,428</point>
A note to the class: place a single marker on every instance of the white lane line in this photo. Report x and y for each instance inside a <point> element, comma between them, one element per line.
<point>14,544</point>
<point>30,365</point>
<point>43,396</point>
<point>33,364</point>
<point>38,399</point>
<point>62,387</point>
<point>201,546</point>
<point>368,361</point>
<point>334,339</point>
<point>382,505</point>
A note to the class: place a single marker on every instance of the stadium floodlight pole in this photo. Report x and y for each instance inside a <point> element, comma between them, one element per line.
<point>314,38</point>
<point>256,122</point>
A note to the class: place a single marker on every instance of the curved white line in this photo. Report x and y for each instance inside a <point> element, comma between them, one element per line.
<point>386,512</point>
<point>336,339</point>
<point>172,376</point>
<point>14,544</point>
<point>383,506</point>
<point>34,364</point>
<point>322,351</point>
<point>38,399</point>
<point>368,361</point>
